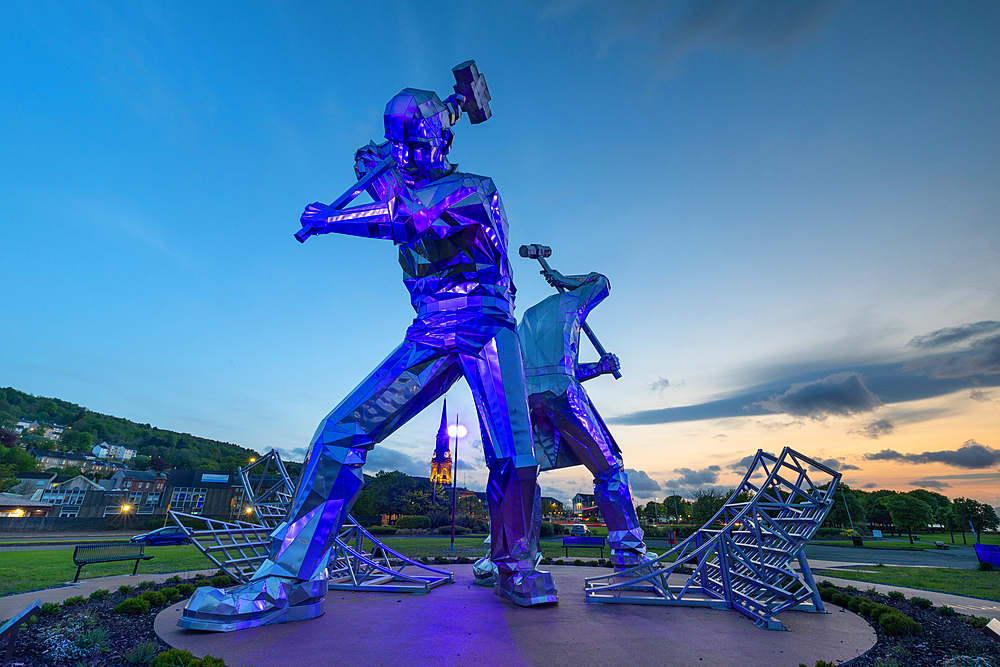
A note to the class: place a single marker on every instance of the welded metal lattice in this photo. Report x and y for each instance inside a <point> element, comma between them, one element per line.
<point>741,558</point>
<point>239,547</point>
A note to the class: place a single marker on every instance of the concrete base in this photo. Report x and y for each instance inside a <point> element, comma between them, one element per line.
<point>464,624</point>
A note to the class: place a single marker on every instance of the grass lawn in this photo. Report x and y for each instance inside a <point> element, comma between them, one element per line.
<point>30,570</point>
<point>940,579</point>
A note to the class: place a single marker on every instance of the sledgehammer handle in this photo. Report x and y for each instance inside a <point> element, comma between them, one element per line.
<point>586,327</point>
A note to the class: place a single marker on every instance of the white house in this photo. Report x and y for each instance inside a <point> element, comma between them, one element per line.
<point>106,450</point>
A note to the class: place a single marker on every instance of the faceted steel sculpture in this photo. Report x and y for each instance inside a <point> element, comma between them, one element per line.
<point>567,428</point>
<point>451,230</point>
<point>741,557</point>
<point>239,547</point>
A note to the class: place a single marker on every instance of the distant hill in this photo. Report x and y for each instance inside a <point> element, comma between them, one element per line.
<point>182,450</point>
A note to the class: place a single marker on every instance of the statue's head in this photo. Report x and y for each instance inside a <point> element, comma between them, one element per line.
<point>418,125</point>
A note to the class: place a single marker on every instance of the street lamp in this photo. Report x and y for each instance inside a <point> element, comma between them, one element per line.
<point>457,431</point>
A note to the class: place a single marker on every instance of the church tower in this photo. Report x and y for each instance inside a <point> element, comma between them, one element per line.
<point>441,463</point>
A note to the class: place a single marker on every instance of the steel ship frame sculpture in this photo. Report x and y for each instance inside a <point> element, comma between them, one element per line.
<point>239,547</point>
<point>741,558</point>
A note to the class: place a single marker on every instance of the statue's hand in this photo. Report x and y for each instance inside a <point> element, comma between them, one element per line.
<point>609,363</point>
<point>553,278</point>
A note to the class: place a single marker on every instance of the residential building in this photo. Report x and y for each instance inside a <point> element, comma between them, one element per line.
<point>49,459</point>
<point>67,494</point>
<point>205,492</point>
<point>106,450</point>
<point>16,507</point>
<point>585,506</point>
<point>31,483</point>
<point>143,488</point>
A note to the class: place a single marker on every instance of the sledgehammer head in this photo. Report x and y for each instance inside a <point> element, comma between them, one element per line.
<point>534,251</point>
<point>470,83</point>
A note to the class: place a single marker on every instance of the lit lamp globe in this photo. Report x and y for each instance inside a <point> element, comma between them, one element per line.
<point>457,431</point>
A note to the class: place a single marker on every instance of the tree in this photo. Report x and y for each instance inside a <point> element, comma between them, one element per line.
<point>80,441</point>
<point>7,479</point>
<point>947,517</point>
<point>159,465</point>
<point>8,438</point>
<point>19,459</point>
<point>707,502</point>
<point>851,515</point>
<point>877,511</point>
<point>909,513</point>
<point>139,462</point>
<point>981,516</point>
<point>677,507</point>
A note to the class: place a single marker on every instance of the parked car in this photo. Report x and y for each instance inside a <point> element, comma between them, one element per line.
<point>165,536</point>
<point>579,530</point>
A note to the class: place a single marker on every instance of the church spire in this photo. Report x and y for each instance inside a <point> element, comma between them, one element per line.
<point>441,463</point>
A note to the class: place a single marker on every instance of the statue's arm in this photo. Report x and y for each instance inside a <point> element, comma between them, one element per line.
<point>608,364</point>
<point>375,221</point>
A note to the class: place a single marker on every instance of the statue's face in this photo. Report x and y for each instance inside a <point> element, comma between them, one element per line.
<point>419,160</point>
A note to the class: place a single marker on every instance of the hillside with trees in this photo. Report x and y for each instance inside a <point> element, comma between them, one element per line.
<point>87,428</point>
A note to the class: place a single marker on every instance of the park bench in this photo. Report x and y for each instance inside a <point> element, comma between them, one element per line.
<point>988,553</point>
<point>940,545</point>
<point>583,543</point>
<point>107,552</point>
<point>9,630</point>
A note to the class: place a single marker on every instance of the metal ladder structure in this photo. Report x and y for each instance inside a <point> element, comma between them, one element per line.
<point>239,547</point>
<point>742,557</point>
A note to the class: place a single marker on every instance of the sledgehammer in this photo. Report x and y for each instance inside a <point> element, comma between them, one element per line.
<point>540,252</point>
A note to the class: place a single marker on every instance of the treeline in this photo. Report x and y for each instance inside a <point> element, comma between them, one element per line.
<point>908,512</point>
<point>397,494</point>
<point>87,428</point>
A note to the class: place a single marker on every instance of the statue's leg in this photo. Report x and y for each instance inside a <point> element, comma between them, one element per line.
<point>291,583</point>
<point>582,430</point>
<point>496,377</point>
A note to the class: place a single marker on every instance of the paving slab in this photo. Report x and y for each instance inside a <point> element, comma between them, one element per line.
<point>464,624</point>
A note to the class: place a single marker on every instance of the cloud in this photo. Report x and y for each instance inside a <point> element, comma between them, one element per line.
<point>975,350</point>
<point>838,465</point>
<point>842,394</point>
<point>875,429</point>
<point>774,426</point>
<point>970,455</point>
<point>980,395</point>
<point>849,466</point>
<point>384,458</point>
<point>930,484</point>
<point>720,435</point>
<point>693,478</point>
<point>465,464</point>
<point>641,484</point>
<point>870,485</point>
<point>659,385</point>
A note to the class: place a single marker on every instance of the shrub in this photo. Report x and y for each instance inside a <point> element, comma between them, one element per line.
<point>879,610</point>
<point>143,653</point>
<point>100,594</point>
<point>462,560</point>
<point>459,530</point>
<point>172,580</point>
<point>382,530</point>
<point>143,585</point>
<point>855,603</point>
<point>413,521</point>
<point>199,576</point>
<point>896,596</point>
<point>185,589</point>
<point>222,581</point>
<point>171,595</point>
<point>978,622</point>
<point>866,607</point>
<point>176,657</point>
<point>74,601</point>
<point>125,589</point>
<point>841,599</point>
<point>578,562</point>
<point>49,609</point>
<point>921,603</point>
<point>133,606</point>
<point>92,640</point>
<point>945,610</point>
<point>547,530</point>
<point>826,593</point>
<point>154,598</point>
<point>895,623</point>
<point>986,567</point>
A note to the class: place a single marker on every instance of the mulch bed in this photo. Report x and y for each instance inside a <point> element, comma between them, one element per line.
<point>52,641</point>
<point>948,641</point>
<point>56,641</point>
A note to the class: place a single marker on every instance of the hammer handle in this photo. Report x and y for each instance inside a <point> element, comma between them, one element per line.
<point>586,327</point>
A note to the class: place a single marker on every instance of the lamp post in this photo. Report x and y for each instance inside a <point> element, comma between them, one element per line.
<point>456,431</point>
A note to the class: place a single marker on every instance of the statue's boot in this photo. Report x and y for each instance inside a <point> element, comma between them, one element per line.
<point>484,571</point>
<point>525,589</point>
<point>259,602</point>
<point>624,560</point>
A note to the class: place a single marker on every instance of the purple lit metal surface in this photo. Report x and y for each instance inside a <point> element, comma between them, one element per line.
<point>451,231</point>
<point>742,557</point>
<point>567,428</point>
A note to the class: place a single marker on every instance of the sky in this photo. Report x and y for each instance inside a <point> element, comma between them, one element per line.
<point>797,204</point>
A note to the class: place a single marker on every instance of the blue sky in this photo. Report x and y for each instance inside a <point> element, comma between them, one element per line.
<point>789,200</point>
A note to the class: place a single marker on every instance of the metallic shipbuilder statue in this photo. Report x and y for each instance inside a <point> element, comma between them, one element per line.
<point>451,230</point>
<point>567,428</point>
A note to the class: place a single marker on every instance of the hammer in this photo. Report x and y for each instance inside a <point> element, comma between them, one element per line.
<point>540,252</point>
<point>472,85</point>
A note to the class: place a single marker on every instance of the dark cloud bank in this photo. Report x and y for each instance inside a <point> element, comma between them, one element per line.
<point>970,455</point>
<point>958,357</point>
